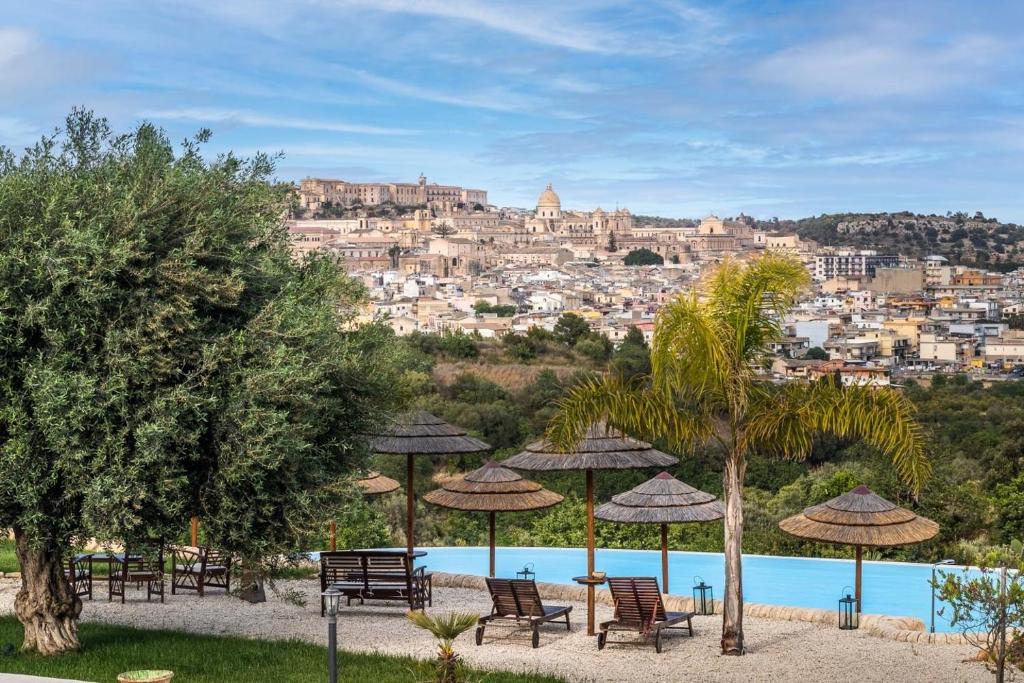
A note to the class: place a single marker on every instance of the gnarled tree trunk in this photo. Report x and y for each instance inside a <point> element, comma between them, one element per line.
<point>46,605</point>
<point>732,612</point>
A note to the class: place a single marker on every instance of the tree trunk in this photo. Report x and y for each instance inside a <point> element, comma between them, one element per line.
<point>251,587</point>
<point>732,612</point>
<point>46,605</point>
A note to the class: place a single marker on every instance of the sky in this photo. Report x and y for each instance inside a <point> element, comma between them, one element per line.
<point>671,108</point>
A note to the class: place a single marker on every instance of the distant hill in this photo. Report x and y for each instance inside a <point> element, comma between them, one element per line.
<point>974,240</point>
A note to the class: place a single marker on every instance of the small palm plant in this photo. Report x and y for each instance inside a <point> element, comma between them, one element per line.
<point>446,628</point>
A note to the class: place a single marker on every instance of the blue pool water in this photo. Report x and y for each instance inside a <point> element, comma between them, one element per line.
<point>895,588</point>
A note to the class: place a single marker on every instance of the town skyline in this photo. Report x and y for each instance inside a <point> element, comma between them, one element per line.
<point>674,109</point>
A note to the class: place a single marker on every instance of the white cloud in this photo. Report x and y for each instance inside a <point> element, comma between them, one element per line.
<point>532,23</point>
<point>497,99</point>
<point>15,43</point>
<point>210,115</point>
<point>877,66</point>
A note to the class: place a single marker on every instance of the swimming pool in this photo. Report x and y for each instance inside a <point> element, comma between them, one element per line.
<point>895,588</point>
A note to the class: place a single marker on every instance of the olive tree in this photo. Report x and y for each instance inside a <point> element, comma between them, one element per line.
<point>162,355</point>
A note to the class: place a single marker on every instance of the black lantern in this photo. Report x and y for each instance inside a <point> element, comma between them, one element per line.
<point>703,597</point>
<point>526,572</point>
<point>849,617</point>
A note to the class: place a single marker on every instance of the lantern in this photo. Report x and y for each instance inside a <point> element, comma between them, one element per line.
<point>849,618</point>
<point>703,597</point>
<point>526,572</point>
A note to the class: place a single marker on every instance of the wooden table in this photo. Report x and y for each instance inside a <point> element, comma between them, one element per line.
<point>591,582</point>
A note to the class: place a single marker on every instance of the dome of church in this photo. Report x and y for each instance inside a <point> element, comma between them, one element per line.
<point>549,198</point>
<point>599,211</point>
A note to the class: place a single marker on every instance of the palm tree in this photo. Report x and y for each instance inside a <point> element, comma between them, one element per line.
<point>704,390</point>
<point>446,628</point>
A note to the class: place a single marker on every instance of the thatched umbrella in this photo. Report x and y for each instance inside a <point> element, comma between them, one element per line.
<point>420,433</point>
<point>860,518</point>
<point>663,500</point>
<point>492,489</point>
<point>376,484</point>
<point>601,448</point>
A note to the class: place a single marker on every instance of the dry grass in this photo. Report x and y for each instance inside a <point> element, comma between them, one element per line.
<point>511,376</point>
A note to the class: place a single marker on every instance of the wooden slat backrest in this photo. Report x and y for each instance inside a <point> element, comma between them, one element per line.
<point>637,600</point>
<point>505,600</point>
<point>528,598</point>
<point>396,564</point>
<point>216,558</point>
<point>649,596</point>
<point>340,566</point>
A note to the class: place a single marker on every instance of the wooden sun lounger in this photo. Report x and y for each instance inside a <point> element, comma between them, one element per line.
<point>518,600</point>
<point>638,607</point>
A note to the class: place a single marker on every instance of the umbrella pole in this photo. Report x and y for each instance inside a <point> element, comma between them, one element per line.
<point>195,532</point>
<point>664,558</point>
<point>857,578</point>
<point>491,538</point>
<point>590,551</point>
<point>334,535</point>
<point>410,503</point>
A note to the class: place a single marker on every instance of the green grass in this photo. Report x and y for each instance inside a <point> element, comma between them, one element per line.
<point>110,650</point>
<point>8,559</point>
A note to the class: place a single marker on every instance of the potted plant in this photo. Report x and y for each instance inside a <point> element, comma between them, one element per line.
<point>146,676</point>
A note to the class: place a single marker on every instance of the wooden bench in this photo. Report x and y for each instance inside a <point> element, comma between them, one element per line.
<point>375,575</point>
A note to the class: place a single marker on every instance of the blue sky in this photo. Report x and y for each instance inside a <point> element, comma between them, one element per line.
<point>667,107</point>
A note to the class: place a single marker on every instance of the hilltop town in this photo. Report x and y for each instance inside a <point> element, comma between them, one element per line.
<point>441,259</point>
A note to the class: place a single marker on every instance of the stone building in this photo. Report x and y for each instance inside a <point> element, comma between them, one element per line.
<point>315,192</point>
<point>551,223</point>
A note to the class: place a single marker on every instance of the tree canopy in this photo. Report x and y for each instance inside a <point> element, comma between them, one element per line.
<point>643,257</point>
<point>164,356</point>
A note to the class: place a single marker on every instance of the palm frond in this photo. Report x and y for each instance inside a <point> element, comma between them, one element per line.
<point>752,299</point>
<point>785,422</point>
<point>444,627</point>
<point>635,408</point>
<point>690,354</point>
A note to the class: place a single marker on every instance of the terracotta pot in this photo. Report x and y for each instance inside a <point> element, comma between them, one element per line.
<point>145,676</point>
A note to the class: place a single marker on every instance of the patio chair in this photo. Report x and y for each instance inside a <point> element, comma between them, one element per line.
<point>79,575</point>
<point>140,564</point>
<point>196,569</point>
<point>518,600</point>
<point>638,607</point>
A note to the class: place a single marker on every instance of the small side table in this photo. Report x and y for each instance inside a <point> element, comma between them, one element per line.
<point>591,583</point>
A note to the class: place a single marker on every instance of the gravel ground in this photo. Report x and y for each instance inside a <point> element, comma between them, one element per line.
<point>776,650</point>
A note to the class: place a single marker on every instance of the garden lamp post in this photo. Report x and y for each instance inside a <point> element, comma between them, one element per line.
<point>332,601</point>
<point>934,565</point>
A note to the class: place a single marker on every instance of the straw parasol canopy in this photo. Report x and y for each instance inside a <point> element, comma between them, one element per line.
<point>601,448</point>
<point>860,518</point>
<point>663,500</point>
<point>492,489</point>
<point>376,484</point>
<point>420,433</point>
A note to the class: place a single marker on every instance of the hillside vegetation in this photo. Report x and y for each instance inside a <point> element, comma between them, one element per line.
<point>975,441</point>
<point>975,240</point>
